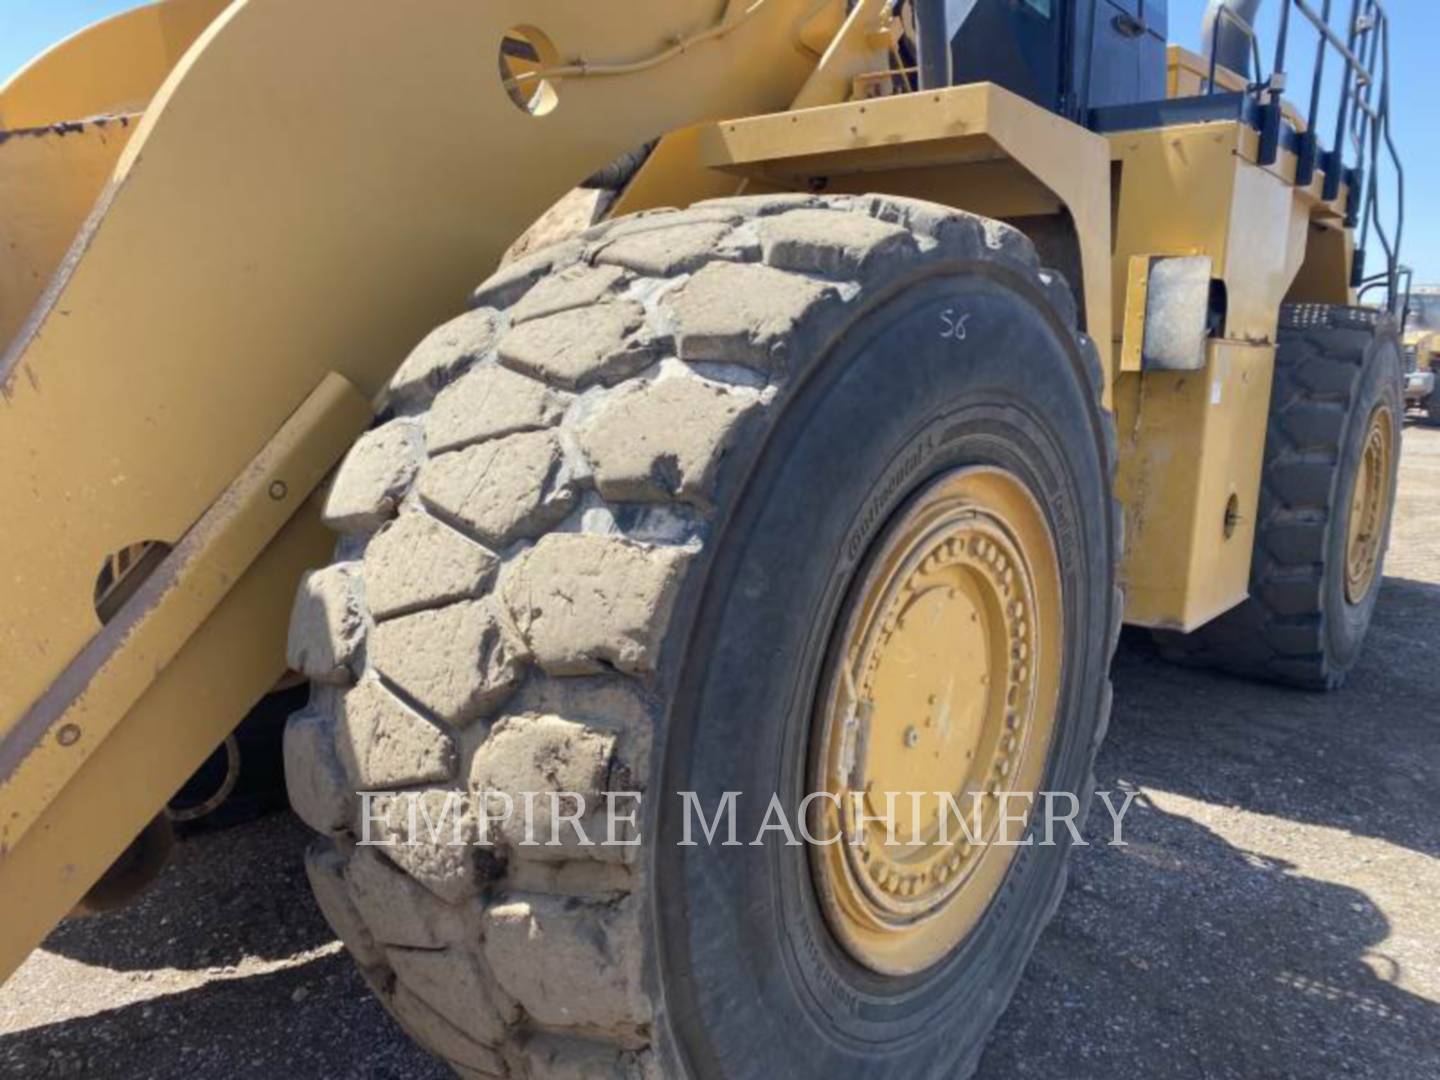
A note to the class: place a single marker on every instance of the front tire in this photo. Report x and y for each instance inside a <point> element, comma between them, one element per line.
<point>604,543</point>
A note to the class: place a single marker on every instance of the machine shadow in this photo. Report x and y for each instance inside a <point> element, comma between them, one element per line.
<point>226,896</point>
<point>312,1021</point>
<point>1365,759</point>
<point>1183,955</point>
<point>1180,955</point>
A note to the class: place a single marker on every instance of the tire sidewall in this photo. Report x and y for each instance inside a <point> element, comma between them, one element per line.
<point>1380,381</point>
<point>753,982</point>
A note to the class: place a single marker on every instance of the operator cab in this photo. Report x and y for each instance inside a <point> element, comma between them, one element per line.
<point>1104,64</point>
<point>1068,56</point>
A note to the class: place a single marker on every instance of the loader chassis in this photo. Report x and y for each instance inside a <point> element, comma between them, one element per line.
<point>274,227</point>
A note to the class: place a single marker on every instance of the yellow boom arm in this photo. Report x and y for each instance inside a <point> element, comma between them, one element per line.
<point>263,208</point>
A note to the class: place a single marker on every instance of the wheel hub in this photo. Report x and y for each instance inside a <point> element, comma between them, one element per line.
<point>943,682</point>
<point>1369,507</point>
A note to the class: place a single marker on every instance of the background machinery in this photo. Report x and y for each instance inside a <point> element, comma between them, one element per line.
<point>806,471</point>
<point>1422,352</point>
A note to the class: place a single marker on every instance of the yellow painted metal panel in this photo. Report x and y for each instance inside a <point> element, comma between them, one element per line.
<point>862,45</point>
<point>675,176</point>
<point>178,722</point>
<point>994,189</point>
<point>64,119</point>
<point>1189,441</point>
<point>924,136</point>
<point>113,67</point>
<point>1137,295</point>
<point>279,215</point>
<point>1268,228</point>
<point>49,181</point>
<point>1325,275</point>
<point>73,719</point>
<point>283,211</point>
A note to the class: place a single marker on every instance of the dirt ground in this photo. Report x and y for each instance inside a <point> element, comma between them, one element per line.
<point>1276,913</point>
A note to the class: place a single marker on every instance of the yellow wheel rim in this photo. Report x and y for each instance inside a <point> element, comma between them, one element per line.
<point>943,680</point>
<point>1369,506</point>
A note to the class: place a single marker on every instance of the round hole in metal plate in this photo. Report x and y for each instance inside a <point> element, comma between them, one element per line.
<point>525,55</point>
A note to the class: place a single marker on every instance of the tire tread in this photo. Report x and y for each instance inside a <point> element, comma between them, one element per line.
<point>590,712</point>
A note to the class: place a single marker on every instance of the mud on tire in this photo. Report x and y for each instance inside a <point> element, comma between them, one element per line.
<point>541,547</point>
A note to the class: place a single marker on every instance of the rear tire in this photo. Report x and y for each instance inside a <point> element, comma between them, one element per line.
<point>1335,367</point>
<point>599,545</point>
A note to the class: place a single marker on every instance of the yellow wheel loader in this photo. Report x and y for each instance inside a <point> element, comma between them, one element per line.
<point>930,343</point>
<point>1422,353</point>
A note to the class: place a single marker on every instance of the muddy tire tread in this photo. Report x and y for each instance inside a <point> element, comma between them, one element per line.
<point>515,961</point>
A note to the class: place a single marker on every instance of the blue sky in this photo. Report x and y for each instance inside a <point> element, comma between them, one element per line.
<point>28,26</point>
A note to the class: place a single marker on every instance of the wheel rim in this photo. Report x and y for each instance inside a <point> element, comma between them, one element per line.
<point>1369,507</point>
<point>943,678</point>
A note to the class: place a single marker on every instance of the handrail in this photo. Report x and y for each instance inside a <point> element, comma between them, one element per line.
<point>1406,277</point>
<point>1362,119</point>
<point>1323,26</point>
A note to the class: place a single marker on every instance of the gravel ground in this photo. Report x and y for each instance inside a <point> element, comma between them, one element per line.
<point>1276,913</point>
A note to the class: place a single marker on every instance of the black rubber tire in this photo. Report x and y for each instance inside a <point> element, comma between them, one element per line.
<point>135,871</point>
<point>1333,367</point>
<point>617,175</point>
<point>259,788</point>
<point>823,316</point>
